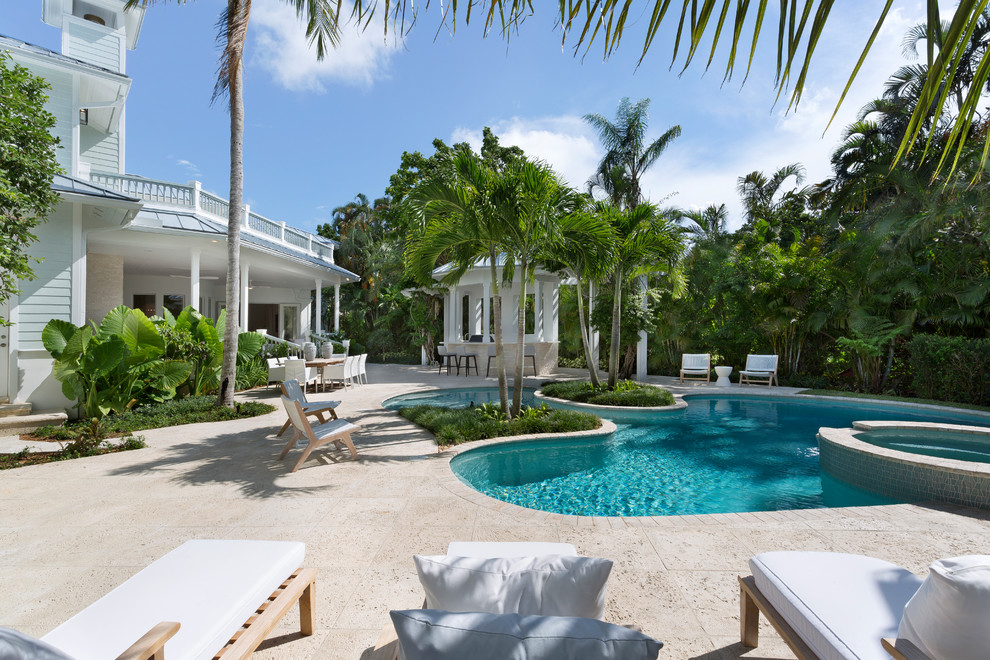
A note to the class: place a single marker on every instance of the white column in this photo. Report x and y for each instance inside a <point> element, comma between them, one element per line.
<point>641,346</point>
<point>592,333</point>
<point>245,272</point>
<point>486,310</point>
<point>194,280</point>
<point>552,330</point>
<point>318,326</point>
<point>336,307</point>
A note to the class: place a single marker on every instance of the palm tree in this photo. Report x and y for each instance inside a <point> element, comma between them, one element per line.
<point>758,191</point>
<point>462,226</point>
<point>709,224</point>
<point>627,156</point>
<point>322,28</point>
<point>645,242</point>
<point>584,253</point>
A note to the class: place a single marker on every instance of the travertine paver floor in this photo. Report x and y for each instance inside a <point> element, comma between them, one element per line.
<point>71,531</point>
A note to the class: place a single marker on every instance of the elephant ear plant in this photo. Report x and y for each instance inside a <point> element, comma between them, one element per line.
<point>113,366</point>
<point>194,338</point>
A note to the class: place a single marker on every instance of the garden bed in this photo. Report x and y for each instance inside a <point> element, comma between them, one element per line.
<point>626,393</point>
<point>454,426</point>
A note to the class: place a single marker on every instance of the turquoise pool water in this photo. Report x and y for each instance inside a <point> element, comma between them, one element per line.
<point>721,454</point>
<point>941,444</point>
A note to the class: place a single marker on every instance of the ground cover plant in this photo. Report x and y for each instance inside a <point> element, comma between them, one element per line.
<point>190,410</point>
<point>892,397</point>
<point>454,426</point>
<point>78,448</point>
<point>625,393</point>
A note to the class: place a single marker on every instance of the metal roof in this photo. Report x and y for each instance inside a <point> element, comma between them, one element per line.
<point>69,184</point>
<point>192,222</point>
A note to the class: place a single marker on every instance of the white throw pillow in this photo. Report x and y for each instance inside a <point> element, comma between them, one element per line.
<point>18,646</point>
<point>438,635</point>
<point>549,585</point>
<point>949,617</point>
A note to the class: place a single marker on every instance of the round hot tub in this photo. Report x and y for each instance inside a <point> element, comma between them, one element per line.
<point>913,461</point>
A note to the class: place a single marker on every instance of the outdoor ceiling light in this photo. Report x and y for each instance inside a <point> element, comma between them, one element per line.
<point>84,116</point>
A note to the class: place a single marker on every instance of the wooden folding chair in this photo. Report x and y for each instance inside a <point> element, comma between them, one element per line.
<point>337,431</point>
<point>291,389</point>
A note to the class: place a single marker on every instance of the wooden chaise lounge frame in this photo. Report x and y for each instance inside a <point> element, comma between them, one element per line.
<point>297,589</point>
<point>752,602</point>
<point>337,431</point>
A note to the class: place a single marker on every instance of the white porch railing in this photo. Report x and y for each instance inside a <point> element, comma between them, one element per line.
<point>272,343</point>
<point>192,197</point>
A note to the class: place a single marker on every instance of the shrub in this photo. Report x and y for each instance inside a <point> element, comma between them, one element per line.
<point>951,368</point>
<point>453,426</point>
<point>626,393</point>
<point>253,373</point>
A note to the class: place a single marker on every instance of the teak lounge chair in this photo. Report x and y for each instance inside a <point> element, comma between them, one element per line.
<point>759,369</point>
<point>291,389</point>
<point>828,604</point>
<point>696,366</point>
<point>204,599</point>
<point>337,431</point>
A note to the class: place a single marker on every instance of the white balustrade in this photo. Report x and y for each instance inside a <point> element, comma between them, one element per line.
<point>192,196</point>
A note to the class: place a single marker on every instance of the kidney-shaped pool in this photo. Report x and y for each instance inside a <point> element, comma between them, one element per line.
<point>721,454</point>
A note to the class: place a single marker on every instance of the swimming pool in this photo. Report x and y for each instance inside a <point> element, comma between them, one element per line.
<point>721,454</point>
<point>942,443</point>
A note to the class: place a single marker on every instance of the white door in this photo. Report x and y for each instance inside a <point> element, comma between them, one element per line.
<point>4,355</point>
<point>290,322</point>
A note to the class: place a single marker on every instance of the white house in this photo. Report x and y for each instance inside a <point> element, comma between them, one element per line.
<point>118,238</point>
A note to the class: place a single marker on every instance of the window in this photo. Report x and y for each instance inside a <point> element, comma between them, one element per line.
<point>146,303</point>
<point>290,322</point>
<point>174,303</point>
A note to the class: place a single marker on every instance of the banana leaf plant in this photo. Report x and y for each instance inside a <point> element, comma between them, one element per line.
<point>114,366</point>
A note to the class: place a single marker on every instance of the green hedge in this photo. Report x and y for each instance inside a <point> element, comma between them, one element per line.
<point>453,426</point>
<point>951,368</point>
<point>626,393</point>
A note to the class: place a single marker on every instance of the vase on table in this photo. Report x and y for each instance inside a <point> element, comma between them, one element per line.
<point>327,349</point>
<point>309,351</point>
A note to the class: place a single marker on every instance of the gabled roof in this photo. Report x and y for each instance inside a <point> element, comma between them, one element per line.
<point>68,184</point>
<point>9,43</point>
<point>177,221</point>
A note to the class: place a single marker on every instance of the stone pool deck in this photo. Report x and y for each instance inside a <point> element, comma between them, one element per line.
<point>74,530</point>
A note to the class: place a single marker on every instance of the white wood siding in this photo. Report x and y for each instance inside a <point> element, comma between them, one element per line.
<point>93,44</point>
<point>48,296</point>
<point>99,149</point>
<point>59,104</point>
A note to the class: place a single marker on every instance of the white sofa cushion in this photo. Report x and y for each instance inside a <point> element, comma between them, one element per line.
<point>209,587</point>
<point>949,617</point>
<point>438,635</point>
<point>841,605</point>
<point>551,585</point>
<point>16,645</point>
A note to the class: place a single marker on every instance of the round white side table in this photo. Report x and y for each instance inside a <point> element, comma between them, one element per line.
<point>723,376</point>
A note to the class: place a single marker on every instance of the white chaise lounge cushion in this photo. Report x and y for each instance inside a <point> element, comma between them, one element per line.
<point>551,585</point>
<point>949,617</point>
<point>210,587</point>
<point>438,635</point>
<point>841,605</point>
<point>509,548</point>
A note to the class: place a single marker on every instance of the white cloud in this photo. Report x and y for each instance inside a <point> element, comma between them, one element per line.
<point>281,48</point>
<point>566,143</point>
<point>191,168</point>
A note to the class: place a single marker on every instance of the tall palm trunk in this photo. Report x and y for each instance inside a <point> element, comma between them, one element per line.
<point>517,381</point>
<point>613,349</point>
<point>228,374</point>
<point>503,386</point>
<point>585,338</point>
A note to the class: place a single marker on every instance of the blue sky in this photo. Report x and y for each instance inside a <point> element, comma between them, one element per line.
<point>319,133</point>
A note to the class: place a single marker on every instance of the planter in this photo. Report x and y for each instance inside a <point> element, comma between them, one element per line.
<point>309,351</point>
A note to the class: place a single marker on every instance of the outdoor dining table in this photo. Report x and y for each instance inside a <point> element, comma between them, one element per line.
<point>321,364</point>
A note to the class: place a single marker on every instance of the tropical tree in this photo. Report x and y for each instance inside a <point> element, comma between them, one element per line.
<point>646,241</point>
<point>708,224</point>
<point>627,155</point>
<point>461,225</point>
<point>322,28</point>
<point>27,167</point>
